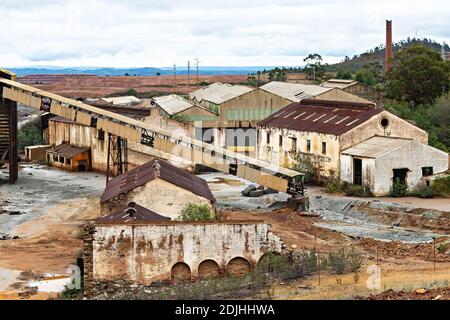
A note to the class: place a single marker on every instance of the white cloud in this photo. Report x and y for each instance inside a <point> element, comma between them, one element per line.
<point>245,32</point>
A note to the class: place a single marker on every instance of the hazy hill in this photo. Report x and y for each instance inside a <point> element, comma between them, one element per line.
<point>378,54</point>
<point>148,71</point>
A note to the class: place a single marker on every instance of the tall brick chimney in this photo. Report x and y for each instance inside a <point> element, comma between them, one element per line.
<point>388,64</point>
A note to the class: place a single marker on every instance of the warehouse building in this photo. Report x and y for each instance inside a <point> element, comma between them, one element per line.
<point>356,88</point>
<point>295,92</point>
<point>178,108</point>
<point>322,129</point>
<point>380,161</point>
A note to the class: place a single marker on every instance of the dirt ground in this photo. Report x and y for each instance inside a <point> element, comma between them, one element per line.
<point>51,241</point>
<point>94,87</point>
<point>403,266</point>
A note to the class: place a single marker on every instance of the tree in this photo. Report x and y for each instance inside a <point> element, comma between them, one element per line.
<point>366,76</point>
<point>418,76</point>
<point>345,74</point>
<point>132,92</point>
<point>196,212</point>
<point>314,67</point>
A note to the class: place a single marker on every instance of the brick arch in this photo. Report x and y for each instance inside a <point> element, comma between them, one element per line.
<point>181,272</point>
<point>208,269</point>
<point>238,267</point>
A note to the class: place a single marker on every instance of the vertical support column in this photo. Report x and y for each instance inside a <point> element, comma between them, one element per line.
<point>117,157</point>
<point>9,131</point>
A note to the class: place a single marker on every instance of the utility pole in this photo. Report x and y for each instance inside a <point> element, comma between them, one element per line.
<point>189,73</point>
<point>174,75</point>
<point>196,65</point>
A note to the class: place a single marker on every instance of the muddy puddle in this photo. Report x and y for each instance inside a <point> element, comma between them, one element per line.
<point>360,218</point>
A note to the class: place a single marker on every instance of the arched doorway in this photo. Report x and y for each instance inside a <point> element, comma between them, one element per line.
<point>238,267</point>
<point>181,272</point>
<point>208,269</point>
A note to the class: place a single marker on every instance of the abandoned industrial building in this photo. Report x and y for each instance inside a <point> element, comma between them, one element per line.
<point>354,87</point>
<point>71,158</point>
<point>174,106</point>
<point>142,247</point>
<point>158,186</point>
<point>379,161</point>
<point>324,129</point>
<point>295,92</point>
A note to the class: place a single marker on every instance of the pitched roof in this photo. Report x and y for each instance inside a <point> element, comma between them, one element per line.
<point>339,83</point>
<point>173,104</point>
<point>67,151</point>
<point>294,91</point>
<point>376,146</point>
<point>219,92</point>
<point>145,173</point>
<point>132,213</point>
<point>322,116</point>
<point>122,100</point>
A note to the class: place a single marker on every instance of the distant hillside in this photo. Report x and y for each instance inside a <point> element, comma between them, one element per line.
<point>149,71</point>
<point>378,54</point>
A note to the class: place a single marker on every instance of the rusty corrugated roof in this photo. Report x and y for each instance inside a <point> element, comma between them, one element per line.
<point>133,213</point>
<point>145,173</point>
<point>67,151</point>
<point>322,116</point>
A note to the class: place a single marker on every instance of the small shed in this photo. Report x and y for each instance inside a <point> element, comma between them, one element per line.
<point>380,161</point>
<point>36,153</point>
<point>68,157</point>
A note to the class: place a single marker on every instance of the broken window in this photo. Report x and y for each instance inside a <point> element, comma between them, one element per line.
<point>294,145</point>
<point>61,159</point>
<point>280,142</point>
<point>324,148</point>
<point>68,161</point>
<point>427,171</point>
<point>308,145</point>
<point>268,138</point>
<point>101,135</point>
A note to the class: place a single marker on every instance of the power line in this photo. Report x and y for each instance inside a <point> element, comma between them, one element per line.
<point>189,73</point>
<point>197,66</point>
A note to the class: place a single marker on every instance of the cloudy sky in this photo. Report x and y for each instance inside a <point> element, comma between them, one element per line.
<point>138,33</point>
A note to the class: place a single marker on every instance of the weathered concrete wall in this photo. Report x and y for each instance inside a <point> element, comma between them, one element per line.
<point>397,128</point>
<point>341,95</point>
<point>159,196</point>
<point>84,136</point>
<point>334,144</point>
<point>148,253</point>
<point>283,156</point>
<point>378,173</point>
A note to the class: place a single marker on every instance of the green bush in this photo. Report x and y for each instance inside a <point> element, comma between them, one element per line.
<point>132,92</point>
<point>196,212</point>
<point>340,261</point>
<point>29,136</point>
<point>424,192</point>
<point>399,189</point>
<point>358,191</point>
<point>304,163</point>
<point>335,185</point>
<point>441,187</point>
